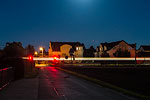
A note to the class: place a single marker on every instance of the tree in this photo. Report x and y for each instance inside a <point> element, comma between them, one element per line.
<point>105,54</point>
<point>29,50</point>
<point>89,52</point>
<point>122,53</point>
<point>1,53</point>
<point>71,52</point>
<point>14,49</point>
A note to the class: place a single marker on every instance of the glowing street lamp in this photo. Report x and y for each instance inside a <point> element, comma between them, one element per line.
<point>41,49</point>
<point>35,53</point>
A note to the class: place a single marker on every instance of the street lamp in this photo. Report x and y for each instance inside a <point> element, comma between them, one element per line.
<point>41,49</point>
<point>36,53</point>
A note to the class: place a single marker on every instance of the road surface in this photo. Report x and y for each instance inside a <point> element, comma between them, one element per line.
<point>57,85</point>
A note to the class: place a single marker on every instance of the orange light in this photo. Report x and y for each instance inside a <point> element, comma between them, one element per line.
<point>41,48</point>
<point>35,53</point>
<point>55,58</point>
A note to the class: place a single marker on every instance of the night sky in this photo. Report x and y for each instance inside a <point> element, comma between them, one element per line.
<point>91,22</point>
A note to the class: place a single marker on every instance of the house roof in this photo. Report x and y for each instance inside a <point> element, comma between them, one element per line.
<point>56,45</point>
<point>112,44</point>
<point>144,54</point>
<point>145,47</point>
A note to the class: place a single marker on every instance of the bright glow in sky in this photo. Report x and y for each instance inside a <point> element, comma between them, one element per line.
<point>82,2</point>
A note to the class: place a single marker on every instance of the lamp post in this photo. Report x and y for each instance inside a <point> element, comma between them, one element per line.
<point>41,49</point>
<point>36,53</point>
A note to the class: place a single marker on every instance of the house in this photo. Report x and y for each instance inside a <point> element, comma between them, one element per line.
<point>97,53</point>
<point>144,51</point>
<point>112,49</point>
<point>144,48</point>
<point>62,49</point>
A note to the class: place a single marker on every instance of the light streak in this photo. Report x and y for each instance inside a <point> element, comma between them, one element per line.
<point>90,58</point>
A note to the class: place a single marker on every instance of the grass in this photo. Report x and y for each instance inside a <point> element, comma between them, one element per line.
<point>106,65</point>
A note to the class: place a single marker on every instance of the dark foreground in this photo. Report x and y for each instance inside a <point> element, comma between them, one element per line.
<point>133,79</point>
<point>57,85</point>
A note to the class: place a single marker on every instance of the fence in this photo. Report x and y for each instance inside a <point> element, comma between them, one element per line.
<point>6,75</point>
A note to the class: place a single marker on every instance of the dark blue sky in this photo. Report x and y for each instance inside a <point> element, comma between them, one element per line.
<point>39,21</point>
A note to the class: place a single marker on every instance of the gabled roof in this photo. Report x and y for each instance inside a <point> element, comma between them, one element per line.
<point>112,44</point>
<point>56,45</point>
<point>145,47</point>
<point>144,54</point>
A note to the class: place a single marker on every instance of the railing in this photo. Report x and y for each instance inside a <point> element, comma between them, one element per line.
<point>6,75</point>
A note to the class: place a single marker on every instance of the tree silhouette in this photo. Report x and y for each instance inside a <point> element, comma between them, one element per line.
<point>71,52</point>
<point>105,54</point>
<point>89,52</point>
<point>122,53</point>
<point>29,50</point>
<point>14,49</point>
<point>1,53</point>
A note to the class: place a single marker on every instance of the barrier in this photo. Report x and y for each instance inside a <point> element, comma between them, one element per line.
<point>6,75</point>
<point>92,58</point>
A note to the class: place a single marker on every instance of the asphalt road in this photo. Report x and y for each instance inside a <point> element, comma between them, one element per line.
<point>57,85</point>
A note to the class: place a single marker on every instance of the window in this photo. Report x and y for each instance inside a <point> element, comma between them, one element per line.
<point>101,49</point>
<point>77,48</point>
<point>105,48</point>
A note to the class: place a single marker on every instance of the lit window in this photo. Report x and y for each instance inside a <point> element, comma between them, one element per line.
<point>77,48</point>
<point>101,49</point>
<point>105,48</point>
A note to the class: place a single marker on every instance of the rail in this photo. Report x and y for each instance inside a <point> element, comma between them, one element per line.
<point>6,75</point>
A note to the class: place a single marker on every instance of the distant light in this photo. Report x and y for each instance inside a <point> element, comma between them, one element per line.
<point>41,48</point>
<point>55,58</point>
<point>30,58</point>
<point>35,53</point>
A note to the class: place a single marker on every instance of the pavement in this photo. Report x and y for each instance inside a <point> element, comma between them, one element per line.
<point>24,89</point>
<point>52,84</point>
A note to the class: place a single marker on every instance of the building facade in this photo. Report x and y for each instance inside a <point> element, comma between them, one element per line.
<point>62,49</point>
<point>109,49</point>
